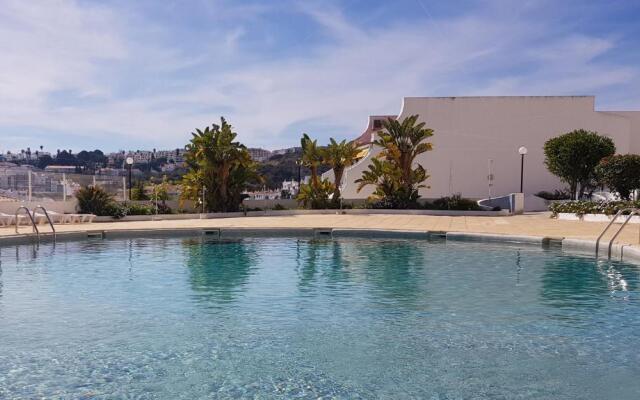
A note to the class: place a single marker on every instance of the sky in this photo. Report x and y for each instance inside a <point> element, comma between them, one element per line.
<point>121,74</point>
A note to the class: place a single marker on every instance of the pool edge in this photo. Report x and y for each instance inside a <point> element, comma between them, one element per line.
<point>583,246</point>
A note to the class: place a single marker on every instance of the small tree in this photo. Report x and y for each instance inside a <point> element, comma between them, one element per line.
<point>620,173</point>
<point>316,193</point>
<point>574,156</point>
<point>219,166</point>
<point>397,176</point>
<point>339,156</point>
<point>161,193</point>
<point>138,192</point>
<point>311,157</point>
<point>94,200</point>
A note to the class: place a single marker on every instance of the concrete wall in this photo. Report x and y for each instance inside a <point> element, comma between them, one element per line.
<point>471,130</point>
<point>634,120</point>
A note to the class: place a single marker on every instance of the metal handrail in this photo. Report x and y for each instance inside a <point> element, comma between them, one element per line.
<point>46,214</point>
<point>613,220</point>
<point>634,212</point>
<point>33,222</point>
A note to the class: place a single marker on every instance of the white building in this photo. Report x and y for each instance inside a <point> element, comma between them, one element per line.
<point>291,186</point>
<point>470,133</point>
<point>288,150</point>
<point>176,155</point>
<point>264,195</point>
<point>259,154</point>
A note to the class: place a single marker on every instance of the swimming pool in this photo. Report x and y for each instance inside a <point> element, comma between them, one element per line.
<point>190,318</point>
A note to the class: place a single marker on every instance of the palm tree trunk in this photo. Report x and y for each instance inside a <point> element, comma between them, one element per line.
<point>338,173</point>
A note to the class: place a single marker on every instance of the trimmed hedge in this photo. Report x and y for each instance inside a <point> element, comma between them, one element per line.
<point>591,207</point>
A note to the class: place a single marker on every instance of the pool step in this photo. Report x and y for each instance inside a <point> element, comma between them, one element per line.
<point>326,233</point>
<point>95,235</point>
<point>211,233</point>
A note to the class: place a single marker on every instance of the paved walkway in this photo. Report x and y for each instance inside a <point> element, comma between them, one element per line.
<point>530,224</point>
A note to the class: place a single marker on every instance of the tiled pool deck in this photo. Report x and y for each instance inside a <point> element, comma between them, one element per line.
<point>539,224</point>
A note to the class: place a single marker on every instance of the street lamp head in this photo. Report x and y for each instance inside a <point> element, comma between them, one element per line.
<point>522,150</point>
<point>129,161</point>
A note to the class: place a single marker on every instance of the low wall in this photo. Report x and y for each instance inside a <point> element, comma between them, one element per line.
<point>513,202</point>
<point>357,211</point>
<point>597,218</point>
<point>292,203</point>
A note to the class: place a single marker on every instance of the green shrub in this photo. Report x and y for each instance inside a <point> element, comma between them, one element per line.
<point>556,195</point>
<point>574,156</point>
<point>591,207</point>
<point>316,197</point>
<point>279,207</point>
<point>385,203</point>
<point>116,210</point>
<point>95,200</point>
<point>620,173</point>
<point>138,192</point>
<point>454,202</point>
<point>139,209</point>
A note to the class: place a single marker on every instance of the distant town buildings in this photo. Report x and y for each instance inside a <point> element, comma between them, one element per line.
<point>61,169</point>
<point>264,195</point>
<point>291,186</point>
<point>288,150</point>
<point>258,154</point>
<point>15,181</point>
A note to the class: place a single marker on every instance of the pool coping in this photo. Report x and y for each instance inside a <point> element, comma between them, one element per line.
<point>582,246</point>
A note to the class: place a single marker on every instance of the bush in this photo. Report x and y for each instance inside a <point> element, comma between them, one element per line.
<point>556,195</point>
<point>591,207</point>
<point>279,207</point>
<point>95,200</point>
<point>138,192</point>
<point>116,210</point>
<point>316,197</point>
<point>574,156</point>
<point>454,202</point>
<point>620,173</point>
<point>139,209</point>
<point>385,203</point>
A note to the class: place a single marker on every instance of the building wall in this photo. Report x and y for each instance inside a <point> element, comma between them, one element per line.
<point>471,130</point>
<point>634,120</point>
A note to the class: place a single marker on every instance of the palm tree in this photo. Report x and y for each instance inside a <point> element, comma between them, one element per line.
<point>339,156</point>
<point>311,157</point>
<point>383,176</point>
<point>394,175</point>
<point>221,165</point>
<point>315,197</point>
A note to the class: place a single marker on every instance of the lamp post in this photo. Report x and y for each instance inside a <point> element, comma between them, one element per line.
<point>129,162</point>
<point>522,151</point>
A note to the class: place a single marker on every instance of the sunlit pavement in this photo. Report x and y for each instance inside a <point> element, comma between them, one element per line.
<point>538,224</point>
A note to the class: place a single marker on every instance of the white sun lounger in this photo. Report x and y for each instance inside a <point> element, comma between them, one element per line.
<point>56,218</point>
<point>59,218</point>
<point>87,217</point>
<point>8,220</point>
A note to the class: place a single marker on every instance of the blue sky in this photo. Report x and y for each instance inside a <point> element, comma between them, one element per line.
<point>121,74</point>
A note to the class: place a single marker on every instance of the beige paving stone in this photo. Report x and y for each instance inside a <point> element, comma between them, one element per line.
<point>539,224</point>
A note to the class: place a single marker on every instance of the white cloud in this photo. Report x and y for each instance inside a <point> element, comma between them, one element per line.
<point>127,83</point>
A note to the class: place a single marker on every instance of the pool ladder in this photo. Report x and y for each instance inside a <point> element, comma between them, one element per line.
<point>632,212</point>
<point>33,221</point>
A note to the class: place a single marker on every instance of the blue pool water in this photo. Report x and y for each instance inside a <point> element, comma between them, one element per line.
<point>293,318</point>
